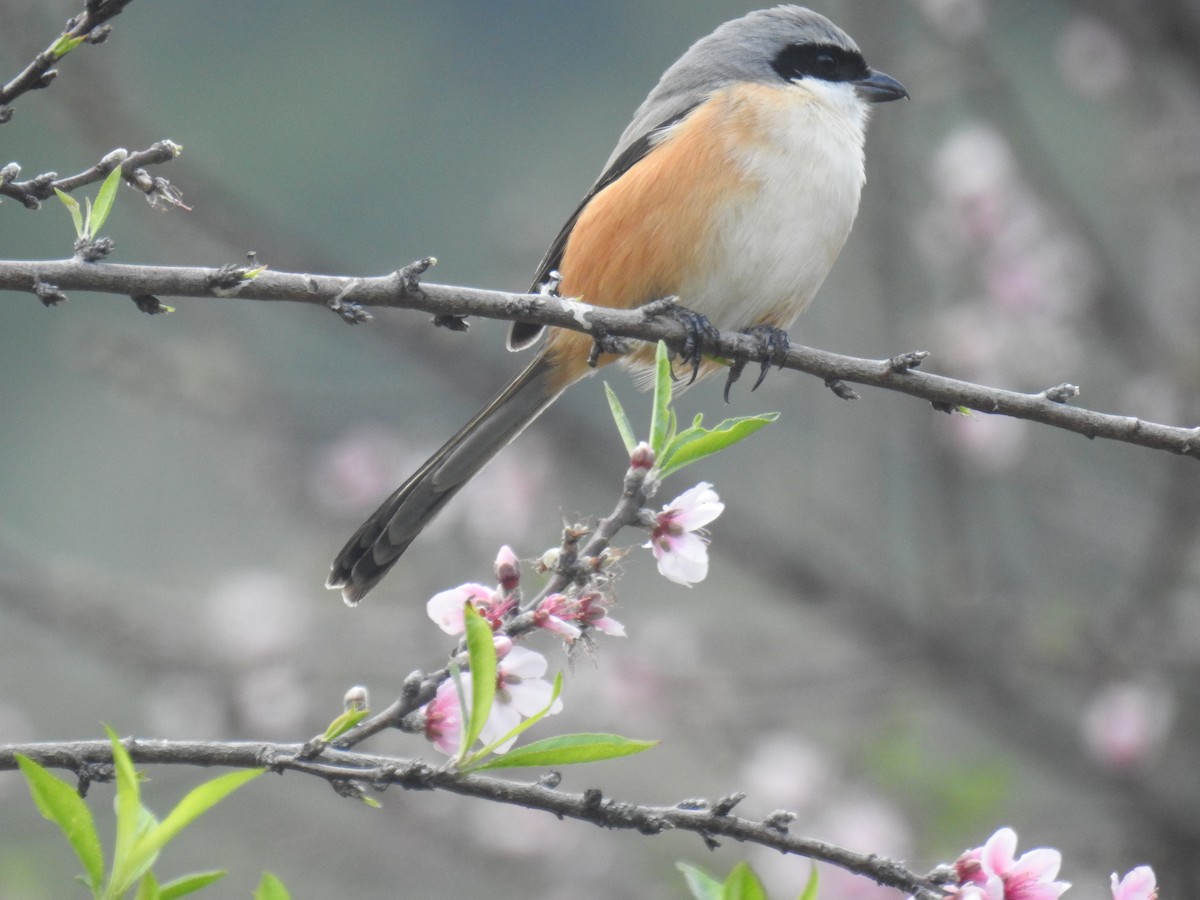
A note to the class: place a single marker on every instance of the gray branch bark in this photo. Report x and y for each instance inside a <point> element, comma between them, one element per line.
<point>352,774</point>
<point>347,296</point>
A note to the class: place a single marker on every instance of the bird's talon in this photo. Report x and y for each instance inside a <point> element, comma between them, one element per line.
<point>735,372</point>
<point>772,346</point>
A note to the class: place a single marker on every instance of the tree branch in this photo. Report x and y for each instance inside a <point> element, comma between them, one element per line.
<point>33,191</point>
<point>347,296</point>
<point>351,774</point>
<point>88,26</point>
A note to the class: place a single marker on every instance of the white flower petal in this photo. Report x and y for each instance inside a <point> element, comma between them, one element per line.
<point>523,663</point>
<point>531,697</point>
<point>446,610</point>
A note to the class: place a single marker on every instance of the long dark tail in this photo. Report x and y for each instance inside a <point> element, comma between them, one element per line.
<point>381,540</point>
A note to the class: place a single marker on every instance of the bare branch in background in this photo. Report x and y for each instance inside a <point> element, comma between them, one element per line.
<point>41,187</point>
<point>86,27</point>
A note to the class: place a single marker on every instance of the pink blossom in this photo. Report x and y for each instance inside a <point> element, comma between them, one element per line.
<point>443,718</point>
<point>520,692</point>
<point>557,612</point>
<point>1138,884</point>
<point>446,608</point>
<point>677,539</point>
<point>990,872</point>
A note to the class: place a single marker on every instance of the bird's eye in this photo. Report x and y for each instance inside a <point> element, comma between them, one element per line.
<point>821,61</point>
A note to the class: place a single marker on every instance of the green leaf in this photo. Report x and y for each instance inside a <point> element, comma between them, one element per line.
<point>195,803</point>
<point>569,749</point>
<point>148,888</point>
<point>810,889</point>
<point>482,654</point>
<point>64,45</point>
<point>104,201</point>
<point>524,725</point>
<point>60,803</point>
<point>188,884</point>
<point>344,723</point>
<point>130,819</point>
<point>271,888</point>
<point>743,884</point>
<point>72,206</point>
<point>622,420</point>
<point>696,442</point>
<point>660,418</point>
<point>702,885</point>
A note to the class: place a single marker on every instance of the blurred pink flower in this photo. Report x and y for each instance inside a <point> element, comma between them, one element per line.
<point>446,608</point>
<point>958,20</point>
<point>360,467</point>
<point>1126,722</point>
<point>1138,884</point>
<point>678,545</point>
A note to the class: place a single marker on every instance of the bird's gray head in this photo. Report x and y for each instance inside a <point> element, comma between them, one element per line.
<point>769,46</point>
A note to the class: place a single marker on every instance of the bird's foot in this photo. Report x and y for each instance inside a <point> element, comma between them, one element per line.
<point>772,344</point>
<point>699,332</point>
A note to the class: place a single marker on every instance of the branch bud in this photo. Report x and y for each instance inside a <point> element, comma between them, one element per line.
<point>642,457</point>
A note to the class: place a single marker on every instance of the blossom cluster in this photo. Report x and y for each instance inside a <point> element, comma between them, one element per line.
<point>678,544</point>
<point>994,872</point>
<point>521,688</point>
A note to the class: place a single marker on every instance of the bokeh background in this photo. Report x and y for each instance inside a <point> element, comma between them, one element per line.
<point>917,627</point>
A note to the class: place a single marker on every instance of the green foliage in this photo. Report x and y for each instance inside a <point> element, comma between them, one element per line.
<point>60,803</point>
<point>696,442</point>
<point>567,749</point>
<point>742,884</point>
<point>139,835</point>
<point>810,889</point>
<point>482,655</point>
<point>702,885</point>
<point>618,412</point>
<point>675,449</point>
<point>64,45</point>
<point>344,723</point>
<point>271,888</point>
<point>89,221</point>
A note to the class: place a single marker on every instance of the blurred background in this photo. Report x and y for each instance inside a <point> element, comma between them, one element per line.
<point>917,627</point>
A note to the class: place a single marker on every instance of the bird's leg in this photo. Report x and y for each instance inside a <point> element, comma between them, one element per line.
<point>773,344</point>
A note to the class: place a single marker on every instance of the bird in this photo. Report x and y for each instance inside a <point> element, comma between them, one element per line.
<point>732,191</point>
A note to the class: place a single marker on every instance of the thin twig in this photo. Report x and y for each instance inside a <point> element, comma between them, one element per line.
<point>33,191</point>
<point>87,27</point>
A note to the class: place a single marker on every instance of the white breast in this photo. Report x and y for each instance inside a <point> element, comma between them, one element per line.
<point>800,152</point>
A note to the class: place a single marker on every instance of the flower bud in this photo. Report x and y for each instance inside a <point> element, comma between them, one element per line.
<point>507,569</point>
<point>642,457</point>
<point>356,699</point>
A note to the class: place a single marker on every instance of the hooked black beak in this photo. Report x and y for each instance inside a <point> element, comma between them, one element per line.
<point>880,88</point>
